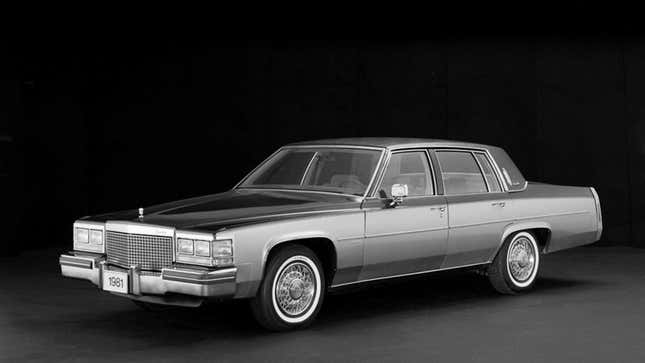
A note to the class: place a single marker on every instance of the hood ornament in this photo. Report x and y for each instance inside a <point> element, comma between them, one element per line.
<point>141,213</point>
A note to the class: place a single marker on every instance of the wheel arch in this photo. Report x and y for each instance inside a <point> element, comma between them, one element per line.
<point>541,231</point>
<point>322,245</point>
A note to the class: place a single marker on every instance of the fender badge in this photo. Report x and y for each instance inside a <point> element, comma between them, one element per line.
<point>140,213</point>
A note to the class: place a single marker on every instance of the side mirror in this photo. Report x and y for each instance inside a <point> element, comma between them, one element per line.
<point>399,191</point>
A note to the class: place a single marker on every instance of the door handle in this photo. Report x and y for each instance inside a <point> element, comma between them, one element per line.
<point>441,209</point>
<point>498,204</point>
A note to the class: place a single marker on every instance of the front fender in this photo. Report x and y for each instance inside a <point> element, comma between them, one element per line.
<point>291,237</point>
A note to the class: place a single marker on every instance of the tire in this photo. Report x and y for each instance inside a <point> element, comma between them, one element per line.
<point>515,267</point>
<point>292,291</point>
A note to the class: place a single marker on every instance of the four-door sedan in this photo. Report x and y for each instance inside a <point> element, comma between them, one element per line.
<point>320,215</point>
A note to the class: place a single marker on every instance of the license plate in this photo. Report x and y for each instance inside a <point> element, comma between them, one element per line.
<point>116,281</point>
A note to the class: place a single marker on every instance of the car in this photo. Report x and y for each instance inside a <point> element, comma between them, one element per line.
<point>317,216</point>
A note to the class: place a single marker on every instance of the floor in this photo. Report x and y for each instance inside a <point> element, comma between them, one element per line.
<point>587,306</point>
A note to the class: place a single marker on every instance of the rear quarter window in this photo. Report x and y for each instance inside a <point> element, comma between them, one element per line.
<point>511,174</point>
<point>491,179</point>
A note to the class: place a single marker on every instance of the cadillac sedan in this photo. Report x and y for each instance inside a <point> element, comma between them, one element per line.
<point>316,216</point>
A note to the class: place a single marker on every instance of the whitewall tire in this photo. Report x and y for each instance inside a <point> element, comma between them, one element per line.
<point>516,265</point>
<point>292,290</point>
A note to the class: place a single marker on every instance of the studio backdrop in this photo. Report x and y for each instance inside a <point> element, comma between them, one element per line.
<point>112,126</point>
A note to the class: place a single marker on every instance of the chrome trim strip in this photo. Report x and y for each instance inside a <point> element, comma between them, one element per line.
<point>432,171</point>
<point>490,162</point>
<point>408,274</point>
<point>481,223</point>
<point>349,238</point>
<point>216,280</point>
<point>381,174</point>
<point>139,228</point>
<point>195,235</point>
<point>404,232</point>
<point>311,161</point>
<point>598,212</point>
<point>88,224</point>
<point>552,215</point>
<point>200,277</point>
<point>498,172</point>
<point>135,281</point>
<point>84,262</point>
<point>76,264</point>
<point>411,197</point>
<point>231,271</point>
<point>471,194</point>
<point>299,190</point>
<point>376,170</point>
<point>481,171</point>
<point>434,143</point>
<point>336,146</point>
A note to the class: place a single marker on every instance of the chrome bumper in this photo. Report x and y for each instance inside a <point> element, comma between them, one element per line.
<point>151,286</point>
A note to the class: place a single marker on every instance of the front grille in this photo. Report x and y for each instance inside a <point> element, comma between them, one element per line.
<point>146,251</point>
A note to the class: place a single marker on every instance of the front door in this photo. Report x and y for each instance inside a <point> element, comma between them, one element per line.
<point>410,237</point>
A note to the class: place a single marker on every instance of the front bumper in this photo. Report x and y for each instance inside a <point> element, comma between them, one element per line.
<point>194,284</point>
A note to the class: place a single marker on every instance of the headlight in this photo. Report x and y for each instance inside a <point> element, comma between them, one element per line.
<point>82,235</point>
<point>88,236</point>
<point>185,246</point>
<point>96,237</point>
<point>203,249</point>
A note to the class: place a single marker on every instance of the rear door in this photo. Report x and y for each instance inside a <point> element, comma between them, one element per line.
<point>476,206</point>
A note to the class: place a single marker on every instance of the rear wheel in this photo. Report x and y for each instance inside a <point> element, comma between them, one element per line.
<point>515,267</point>
<point>292,290</point>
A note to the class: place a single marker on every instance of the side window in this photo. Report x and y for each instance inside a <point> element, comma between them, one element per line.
<point>409,168</point>
<point>460,173</point>
<point>492,181</point>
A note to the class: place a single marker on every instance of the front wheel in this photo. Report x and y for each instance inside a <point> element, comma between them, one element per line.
<point>515,267</point>
<point>292,290</point>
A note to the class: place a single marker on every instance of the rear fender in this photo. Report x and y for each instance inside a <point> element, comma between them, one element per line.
<point>516,227</point>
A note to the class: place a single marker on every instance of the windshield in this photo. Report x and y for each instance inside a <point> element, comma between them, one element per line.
<point>338,170</point>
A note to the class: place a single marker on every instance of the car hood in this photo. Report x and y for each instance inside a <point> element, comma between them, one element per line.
<point>236,207</point>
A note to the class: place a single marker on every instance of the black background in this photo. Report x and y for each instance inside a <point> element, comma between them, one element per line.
<point>90,127</point>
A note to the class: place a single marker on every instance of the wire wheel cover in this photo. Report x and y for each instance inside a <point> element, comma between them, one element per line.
<point>295,289</point>
<point>521,259</point>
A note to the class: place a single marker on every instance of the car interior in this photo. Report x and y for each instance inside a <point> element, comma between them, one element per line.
<point>409,168</point>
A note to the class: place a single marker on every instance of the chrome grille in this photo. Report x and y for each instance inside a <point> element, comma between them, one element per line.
<point>146,251</point>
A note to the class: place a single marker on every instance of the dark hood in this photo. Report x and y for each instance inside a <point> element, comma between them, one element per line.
<point>235,207</point>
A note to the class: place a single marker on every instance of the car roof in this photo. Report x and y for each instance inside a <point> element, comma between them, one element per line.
<point>391,142</point>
